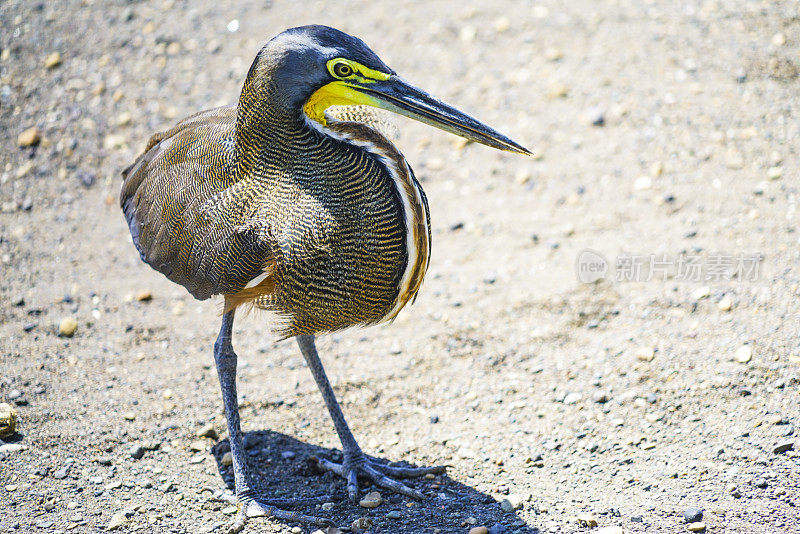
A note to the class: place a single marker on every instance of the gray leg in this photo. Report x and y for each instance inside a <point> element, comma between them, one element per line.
<point>250,505</point>
<point>355,461</point>
<point>225,359</point>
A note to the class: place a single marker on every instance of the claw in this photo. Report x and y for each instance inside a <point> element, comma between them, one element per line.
<point>352,485</point>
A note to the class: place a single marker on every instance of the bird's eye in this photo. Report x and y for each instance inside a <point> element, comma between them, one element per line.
<point>342,70</point>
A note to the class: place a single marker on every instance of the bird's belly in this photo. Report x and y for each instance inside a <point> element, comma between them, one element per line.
<point>340,269</point>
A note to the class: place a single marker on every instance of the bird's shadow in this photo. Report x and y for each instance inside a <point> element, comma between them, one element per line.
<point>285,467</point>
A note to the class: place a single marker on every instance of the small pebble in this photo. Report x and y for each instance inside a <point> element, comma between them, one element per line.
<point>67,327</point>
<point>10,448</point>
<point>362,523</point>
<point>657,169</point>
<point>52,60</point>
<point>207,431</point>
<point>595,116</point>
<point>551,53</point>
<point>197,446</point>
<point>760,482</point>
<point>479,530</point>
<point>696,527</point>
<point>144,295</point>
<point>87,178</point>
<point>29,137</point>
<point>725,304</point>
<point>645,354</point>
<point>8,420</point>
<point>124,118</point>
<point>693,515</point>
<point>587,520</point>
<point>600,397</point>
<point>117,521</point>
<point>502,24</point>
<point>327,506</point>
<point>394,514</point>
<point>558,90</point>
<point>744,354</point>
<point>372,499</point>
<point>774,173</point>
<point>227,459</point>
<point>642,183</point>
<point>62,472</point>
<point>701,293</point>
<point>137,452</point>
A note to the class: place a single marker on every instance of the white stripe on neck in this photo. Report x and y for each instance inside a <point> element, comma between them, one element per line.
<point>408,211</point>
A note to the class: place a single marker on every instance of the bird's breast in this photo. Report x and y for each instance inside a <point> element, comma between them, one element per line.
<point>354,240</point>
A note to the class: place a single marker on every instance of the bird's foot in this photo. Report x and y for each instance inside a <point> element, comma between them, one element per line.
<point>379,473</point>
<point>251,506</point>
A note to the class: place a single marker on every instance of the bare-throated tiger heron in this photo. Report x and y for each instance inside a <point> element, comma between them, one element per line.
<point>274,204</point>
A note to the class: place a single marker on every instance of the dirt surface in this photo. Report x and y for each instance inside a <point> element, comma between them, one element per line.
<point>663,130</point>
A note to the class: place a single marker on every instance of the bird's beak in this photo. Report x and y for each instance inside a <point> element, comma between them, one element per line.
<point>399,96</point>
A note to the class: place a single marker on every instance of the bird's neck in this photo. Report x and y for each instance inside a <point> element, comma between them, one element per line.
<point>264,123</point>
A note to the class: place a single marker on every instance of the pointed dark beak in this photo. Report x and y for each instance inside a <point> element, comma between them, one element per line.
<point>399,96</point>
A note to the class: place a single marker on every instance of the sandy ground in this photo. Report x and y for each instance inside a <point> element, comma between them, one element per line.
<point>664,132</point>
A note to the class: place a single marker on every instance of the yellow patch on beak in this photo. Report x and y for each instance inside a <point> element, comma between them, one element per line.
<point>334,94</point>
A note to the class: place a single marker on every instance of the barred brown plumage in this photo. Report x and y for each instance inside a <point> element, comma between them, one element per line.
<point>329,224</point>
<point>316,217</point>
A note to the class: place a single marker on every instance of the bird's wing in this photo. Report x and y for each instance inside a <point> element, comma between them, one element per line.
<point>375,118</point>
<point>188,212</point>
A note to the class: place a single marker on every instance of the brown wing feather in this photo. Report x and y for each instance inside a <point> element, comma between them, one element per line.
<point>187,210</point>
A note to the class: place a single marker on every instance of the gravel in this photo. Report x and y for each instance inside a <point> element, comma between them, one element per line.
<point>699,105</point>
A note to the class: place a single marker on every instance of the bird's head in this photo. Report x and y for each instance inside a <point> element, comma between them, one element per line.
<point>312,68</point>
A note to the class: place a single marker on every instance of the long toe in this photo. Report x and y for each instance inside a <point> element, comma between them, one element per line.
<point>389,483</point>
<point>409,472</point>
<point>378,473</point>
<point>257,508</point>
<point>250,507</point>
<point>231,498</point>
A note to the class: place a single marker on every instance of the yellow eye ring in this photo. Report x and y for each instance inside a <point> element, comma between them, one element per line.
<point>342,70</point>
